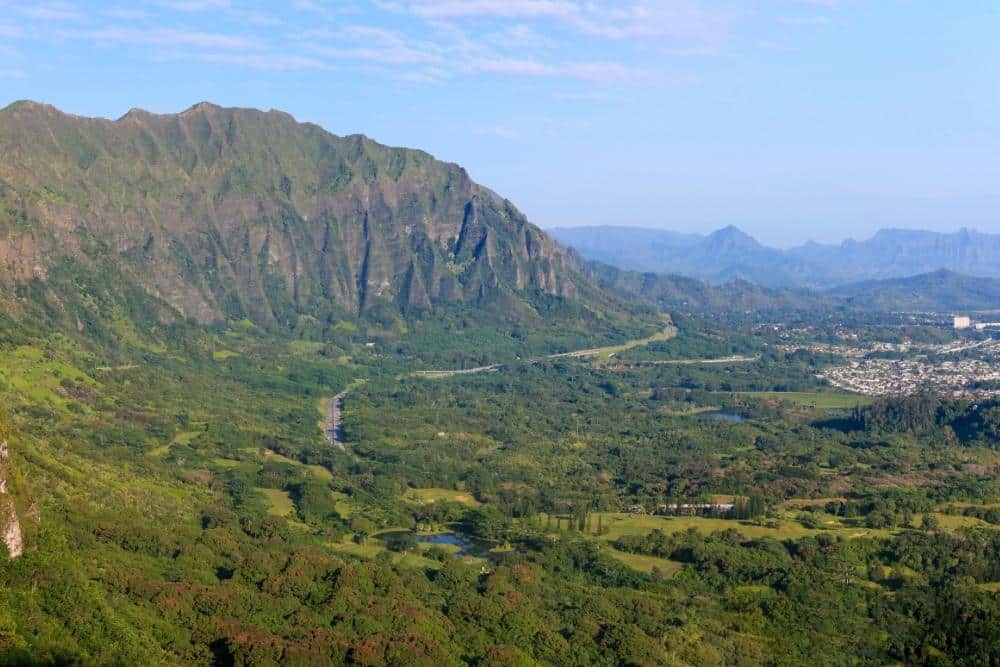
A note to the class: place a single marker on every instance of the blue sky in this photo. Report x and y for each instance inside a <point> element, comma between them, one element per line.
<point>792,119</point>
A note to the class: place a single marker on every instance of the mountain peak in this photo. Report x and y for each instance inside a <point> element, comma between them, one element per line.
<point>30,106</point>
<point>201,106</point>
<point>732,237</point>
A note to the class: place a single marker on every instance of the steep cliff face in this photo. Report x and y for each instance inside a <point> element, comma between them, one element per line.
<point>10,526</point>
<point>240,213</point>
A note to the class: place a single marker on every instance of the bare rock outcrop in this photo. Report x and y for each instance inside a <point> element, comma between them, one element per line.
<point>10,526</point>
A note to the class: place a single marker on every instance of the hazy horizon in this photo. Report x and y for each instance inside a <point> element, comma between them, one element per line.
<point>706,231</point>
<point>793,120</point>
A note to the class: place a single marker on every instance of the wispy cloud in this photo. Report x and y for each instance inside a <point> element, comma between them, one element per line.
<point>194,5</point>
<point>604,72</point>
<point>600,42</point>
<point>650,19</point>
<point>377,45</point>
<point>126,13</point>
<point>171,37</point>
<point>324,9</point>
<point>453,9</point>
<point>266,61</point>
<point>805,20</point>
<point>51,11</point>
<point>515,66</point>
<point>12,74</point>
<point>636,19</point>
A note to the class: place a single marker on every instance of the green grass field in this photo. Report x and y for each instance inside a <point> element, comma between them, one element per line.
<point>817,400</point>
<point>603,354</point>
<point>344,505</point>
<point>619,525</point>
<point>425,496</point>
<point>319,471</point>
<point>279,502</point>
<point>647,564</point>
<point>373,547</point>
<point>183,438</point>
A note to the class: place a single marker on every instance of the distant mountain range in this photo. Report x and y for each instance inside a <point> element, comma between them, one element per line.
<point>731,254</point>
<point>938,292</point>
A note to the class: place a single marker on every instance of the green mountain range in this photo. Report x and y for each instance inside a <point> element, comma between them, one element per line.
<point>236,214</point>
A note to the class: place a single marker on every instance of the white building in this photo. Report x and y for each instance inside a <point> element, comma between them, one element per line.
<point>962,322</point>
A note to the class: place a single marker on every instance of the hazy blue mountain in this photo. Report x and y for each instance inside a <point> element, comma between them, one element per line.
<point>894,253</point>
<point>730,254</point>
<point>637,249</point>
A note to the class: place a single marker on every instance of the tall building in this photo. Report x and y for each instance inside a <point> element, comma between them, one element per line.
<point>962,322</point>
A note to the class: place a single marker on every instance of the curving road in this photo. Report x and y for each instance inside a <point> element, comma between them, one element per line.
<point>334,428</point>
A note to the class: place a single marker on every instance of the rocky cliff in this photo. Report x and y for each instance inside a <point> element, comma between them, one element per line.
<point>240,213</point>
<point>10,526</point>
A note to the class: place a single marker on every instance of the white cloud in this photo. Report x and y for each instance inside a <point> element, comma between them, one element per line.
<point>454,9</point>
<point>604,72</point>
<point>12,74</point>
<point>126,14</point>
<point>324,10</point>
<point>376,45</point>
<point>805,20</point>
<point>52,11</point>
<point>515,67</point>
<point>649,19</point>
<point>266,62</point>
<point>194,5</point>
<point>170,37</point>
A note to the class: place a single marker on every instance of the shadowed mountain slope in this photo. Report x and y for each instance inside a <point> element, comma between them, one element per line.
<point>236,213</point>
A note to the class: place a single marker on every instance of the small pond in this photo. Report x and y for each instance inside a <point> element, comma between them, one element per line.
<point>467,546</point>
<point>721,416</point>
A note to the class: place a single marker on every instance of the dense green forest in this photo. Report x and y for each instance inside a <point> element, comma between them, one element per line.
<point>180,505</point>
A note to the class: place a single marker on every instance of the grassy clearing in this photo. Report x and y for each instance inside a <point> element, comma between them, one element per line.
<point>811,502</point>
<point>279,502</point>
<point>962,505</point>
<point>647,564</point>
<point>228,463</point>
<point>305,347</point>
<point>344,505</point>
<point>603,354</point>
<point>426,496</point>
<point>619,525</point>
<point>816,400</point>
<point>992,587</point>
<point>222,355</point>
<point>370,549</point>
<point>317,470</point>
<point>36,376</point>
<point>184,438</point>
<point>954,521</point>
<point>689,412</point>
